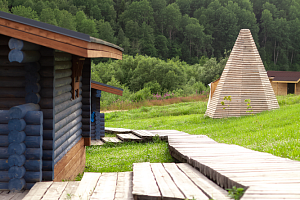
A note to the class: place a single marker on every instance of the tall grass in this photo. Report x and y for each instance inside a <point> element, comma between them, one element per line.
<point>276,132</point>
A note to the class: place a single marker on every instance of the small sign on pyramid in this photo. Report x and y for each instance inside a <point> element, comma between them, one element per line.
<point>244,78</point>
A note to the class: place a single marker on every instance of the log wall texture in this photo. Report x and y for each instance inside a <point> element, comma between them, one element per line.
<point>86,99</point>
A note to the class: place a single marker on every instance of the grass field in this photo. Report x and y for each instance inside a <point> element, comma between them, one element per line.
<point>276,132</point>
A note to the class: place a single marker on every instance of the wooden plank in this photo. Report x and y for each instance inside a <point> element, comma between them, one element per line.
<point>86,186</point>
<point>145,135</point>
<point>188,188</point>
<point>106,187</point>
<point>124,186</point>
<point>144,184</point>
<point>210,188</point>
<point>110,139</point>
<point>55,191</point>
<point>129,137</point>
<point>70,190</point>
<point>13,195</point>
<point>107,89</point>
<point>96,142</point>
<point>19,195</point>
<point>117,130</point>
<point>38,191</point>
<point>167,187</point>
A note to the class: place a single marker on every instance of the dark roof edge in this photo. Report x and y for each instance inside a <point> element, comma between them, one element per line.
<point>99,41</point>
<point>45,26</point>
<point>106,85</point>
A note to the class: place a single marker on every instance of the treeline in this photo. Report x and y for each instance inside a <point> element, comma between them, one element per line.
<point>188,29</point>
<point>143,77</point>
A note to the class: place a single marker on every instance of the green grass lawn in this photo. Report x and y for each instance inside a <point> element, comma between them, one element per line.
<point>276,132</point>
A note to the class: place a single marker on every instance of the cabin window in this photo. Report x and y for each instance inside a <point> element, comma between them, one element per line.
<point>291,88</point>
<point>77,65</point>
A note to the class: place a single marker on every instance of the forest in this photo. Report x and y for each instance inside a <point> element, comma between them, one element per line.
<point>172,45</point>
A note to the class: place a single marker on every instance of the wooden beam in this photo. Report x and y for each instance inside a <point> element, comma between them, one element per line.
<point>106,89</point>
<point>87,141</point>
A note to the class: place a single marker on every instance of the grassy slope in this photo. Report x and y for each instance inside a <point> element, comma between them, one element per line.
<point>276,132</point>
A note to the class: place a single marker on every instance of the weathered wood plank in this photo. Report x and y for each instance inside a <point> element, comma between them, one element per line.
<point>70,190</point>
<point>129,137</point>
<point>38,191</point>
<point>124,186</point>
<point>87,185</point>
<point>110,139</point>
<point>106,187</point>
<point>55,191</point>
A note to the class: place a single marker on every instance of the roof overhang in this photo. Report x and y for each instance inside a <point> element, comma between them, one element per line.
<point>106,88</point>
<point>286,81</point>
<point>56,37</point>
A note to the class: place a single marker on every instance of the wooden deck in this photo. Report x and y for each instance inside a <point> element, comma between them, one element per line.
<point>10,195</point>
<point>208,169</point>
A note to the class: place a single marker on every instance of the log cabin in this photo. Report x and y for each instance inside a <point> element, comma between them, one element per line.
<point>45,100</point>
<point>284,82</point>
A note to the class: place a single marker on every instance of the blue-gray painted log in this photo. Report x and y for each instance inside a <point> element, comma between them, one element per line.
<point>58,65</point>
<point>67,127</point>
<point>47,154</point>
<point>100,123</point>
<point>48,92</point>
<point>59,141</point>
<point>63,106</point>
<point>33,177</point>
<point>4,116</point>
<point>63,73</point>
<point>34,118</point>
<point>4,185</point>
<point>4,176</point>
<point>32,98</point>
<point>98,93</point>
<point>16,124</point>
<point>47,144</point>
<point>16,172</point>
<point>63,81</point>
<point>20,111</point>
<point>32,77</point>
<point>22,45</point>
<point>62,98</point>
<point>33,153</point>
<point>4,141</point>
<point>67,120</point>
<point>48,134</point>
<point>16,160</point>
<point>16,148</point>
<point>7,103</point>
<point>33,165</point>
<point>12,92</point>
<point>16,136</point>
<point>66,150</point>
<point>23,56</point>
<point>4,153</point>
<point>28,186</point>
<point>67,112</point>
<point>16,184</point>
<point>4,129</point>
<point>33,141</point>
<point>32,87</point>
<point>47,113</point>
<point>47,165</point>
<point>101,115</point>
<point>32,67</point>
<point>4,166</point>
<point>33,130</point>
<point>48,124</point>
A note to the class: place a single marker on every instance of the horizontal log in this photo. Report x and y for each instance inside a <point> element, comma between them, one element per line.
<point>48,144</point>
<point>4,141</point>
<point>59,65</point>
<point>61,90</point>
<point>12,71</point>
<point>48,113</point>
<point>93,131</point>
<point>33,153</point>
<point>32,67</point>
<point>67,112</point>
<point>50,92</point>
<point>46,61</point>
<point>62,98</point>
<point>101,115</point>
<point>92,127</point>
<point>86,108</point>
<point>46,103</point>
<point>14,82</point>
<point>86,87</point>
<point>4,40</point>
<point>33,141</point>
<point>4,153</point>
<point>63,106</point>
<point>4,116</point>
<point>86,94</point>
<point>67,127</point>
<point>45,51</point>
<point>86,114</point>
<point>33,177</point>
<point>86,101</point>
<point>16,172</point>
<point>22,45</point>
<point>23,56</point>
<point>47,154</point>
<point>48,175</point>
<point>86,121</point>
<point>63,73</point>
<point>16,184</point>
<point>34,118</point>
<point>86,127</point>
<point>62,82</point>
<point>4,130</point>
<point>47,165</point>
<point>47,72</point>
<point>33,130</point>
<point>32,87</point>
<point>48,135</point>
<point>86,134</point>
<point>67,120</point>
<point>48,124</point>
<point>16,148</point>
<point>32,77</point>
<point>65,150</point>
<point>16,136</point>
<point>8,103</point>
<point>16,160</point>
<point>20,111</point>
<point>16,124</point>
<point>100,123</point>
<point>4,185</point>
<point>61,140</point>
<point>4,166</point>
<point>12,92</point>
<point>5,62</point>
<point>33,165</point>
<point>61,56</point>
<point>32,98</point>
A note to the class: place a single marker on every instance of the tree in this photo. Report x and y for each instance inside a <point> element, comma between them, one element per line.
<point>4,6</point>
<point>65,19</point>
<point>48,16</point>
<point>96,12</point>
<point>172,20</point>
<point>105,31</point>
<point>25,12</point>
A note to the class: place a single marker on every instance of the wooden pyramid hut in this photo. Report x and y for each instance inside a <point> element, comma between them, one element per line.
<point>244,77</point>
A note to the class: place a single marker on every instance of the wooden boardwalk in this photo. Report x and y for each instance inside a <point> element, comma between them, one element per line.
<point>207,169</point>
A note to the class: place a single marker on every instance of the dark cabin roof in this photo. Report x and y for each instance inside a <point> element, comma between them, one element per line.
<point>284,76</point>
<point>56,37</point>
<point>106,88</point>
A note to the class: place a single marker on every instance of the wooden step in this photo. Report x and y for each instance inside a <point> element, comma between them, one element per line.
<point>129,137</point>
<point>96,142</point>
<point>111,139</point>
<point>145,135</point>
<point>117,130</point>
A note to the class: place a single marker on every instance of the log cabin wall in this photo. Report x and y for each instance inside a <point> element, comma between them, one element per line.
<point>67,119</point>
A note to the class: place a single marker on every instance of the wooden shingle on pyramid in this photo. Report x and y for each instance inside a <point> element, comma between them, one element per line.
<point>244,77</point>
